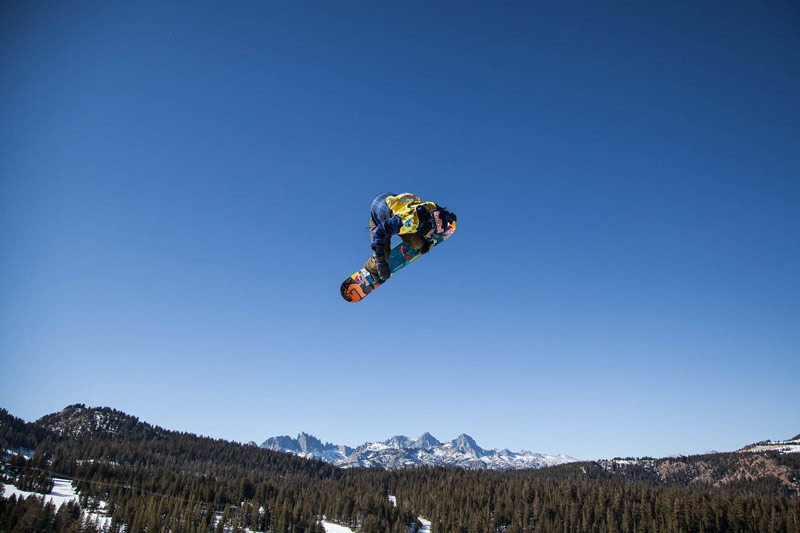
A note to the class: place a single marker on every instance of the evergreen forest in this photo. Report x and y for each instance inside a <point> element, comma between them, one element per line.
<point>149,479</point>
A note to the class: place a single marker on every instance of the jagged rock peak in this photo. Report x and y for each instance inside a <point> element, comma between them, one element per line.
<point>305,445</point>
<point>403,452</point>
<point>426,440</point>
<point>466,444</point>
<point>281,443</point>
<point>309,442</point>
<point>398,441</point>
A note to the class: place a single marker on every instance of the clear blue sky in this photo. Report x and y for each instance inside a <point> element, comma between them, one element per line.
<point>184,187</point>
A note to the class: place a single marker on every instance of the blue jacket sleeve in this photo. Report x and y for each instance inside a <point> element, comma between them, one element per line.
<point>384,230</point>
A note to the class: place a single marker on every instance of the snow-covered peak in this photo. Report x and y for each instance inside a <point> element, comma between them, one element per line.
<point>401,451</point>
<point>426,440</point>
<point>307,446</point>
<point>398,441</point>
<point>308,443</point>
<point>466,444</point>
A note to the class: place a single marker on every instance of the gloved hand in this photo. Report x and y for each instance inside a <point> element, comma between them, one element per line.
<point>383,268</point>
<point>425,247</point>
<point>448,216</point>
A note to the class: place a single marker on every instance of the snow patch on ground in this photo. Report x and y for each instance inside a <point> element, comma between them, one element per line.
<point>63,492</point>
<point>789,446</point>
<point>330,527</point>
<point>27,454</point>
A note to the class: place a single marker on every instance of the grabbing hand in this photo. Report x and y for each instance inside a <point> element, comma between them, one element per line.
<point>384,272</point>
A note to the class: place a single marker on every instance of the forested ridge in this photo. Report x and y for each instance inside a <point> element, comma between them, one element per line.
<point>158,480</point>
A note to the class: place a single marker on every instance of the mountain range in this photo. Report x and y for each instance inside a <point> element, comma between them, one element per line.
<point>137,473</point>
<point>401,451</point>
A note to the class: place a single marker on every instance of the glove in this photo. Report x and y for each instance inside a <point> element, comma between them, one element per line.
<point>448,216</point>
<point>425,247</point>
<point>383,268</point>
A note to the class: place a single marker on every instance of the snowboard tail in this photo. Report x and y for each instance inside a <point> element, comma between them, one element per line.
<point>357,286</point>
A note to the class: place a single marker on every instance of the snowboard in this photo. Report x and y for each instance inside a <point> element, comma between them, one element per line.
<point>360,284</point>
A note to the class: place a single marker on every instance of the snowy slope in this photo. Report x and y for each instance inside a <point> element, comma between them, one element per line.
<point>786,446</point>
<point>62,493</point>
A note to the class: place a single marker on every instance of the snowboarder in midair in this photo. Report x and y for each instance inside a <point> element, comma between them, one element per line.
<point>405,215</point>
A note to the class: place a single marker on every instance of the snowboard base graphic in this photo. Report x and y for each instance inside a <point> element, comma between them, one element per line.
<point>360,284</point>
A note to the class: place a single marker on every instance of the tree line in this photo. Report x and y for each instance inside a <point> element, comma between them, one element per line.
<point>155,480</point>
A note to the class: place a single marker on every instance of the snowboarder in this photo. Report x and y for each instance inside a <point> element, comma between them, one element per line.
<point>405,215</point>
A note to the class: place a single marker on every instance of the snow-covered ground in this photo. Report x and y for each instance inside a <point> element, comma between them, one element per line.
<point>27,454</point>
<point>336,528</point>
<point>62,493</point>
<point>330,527</point>
<point>787,446</point>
